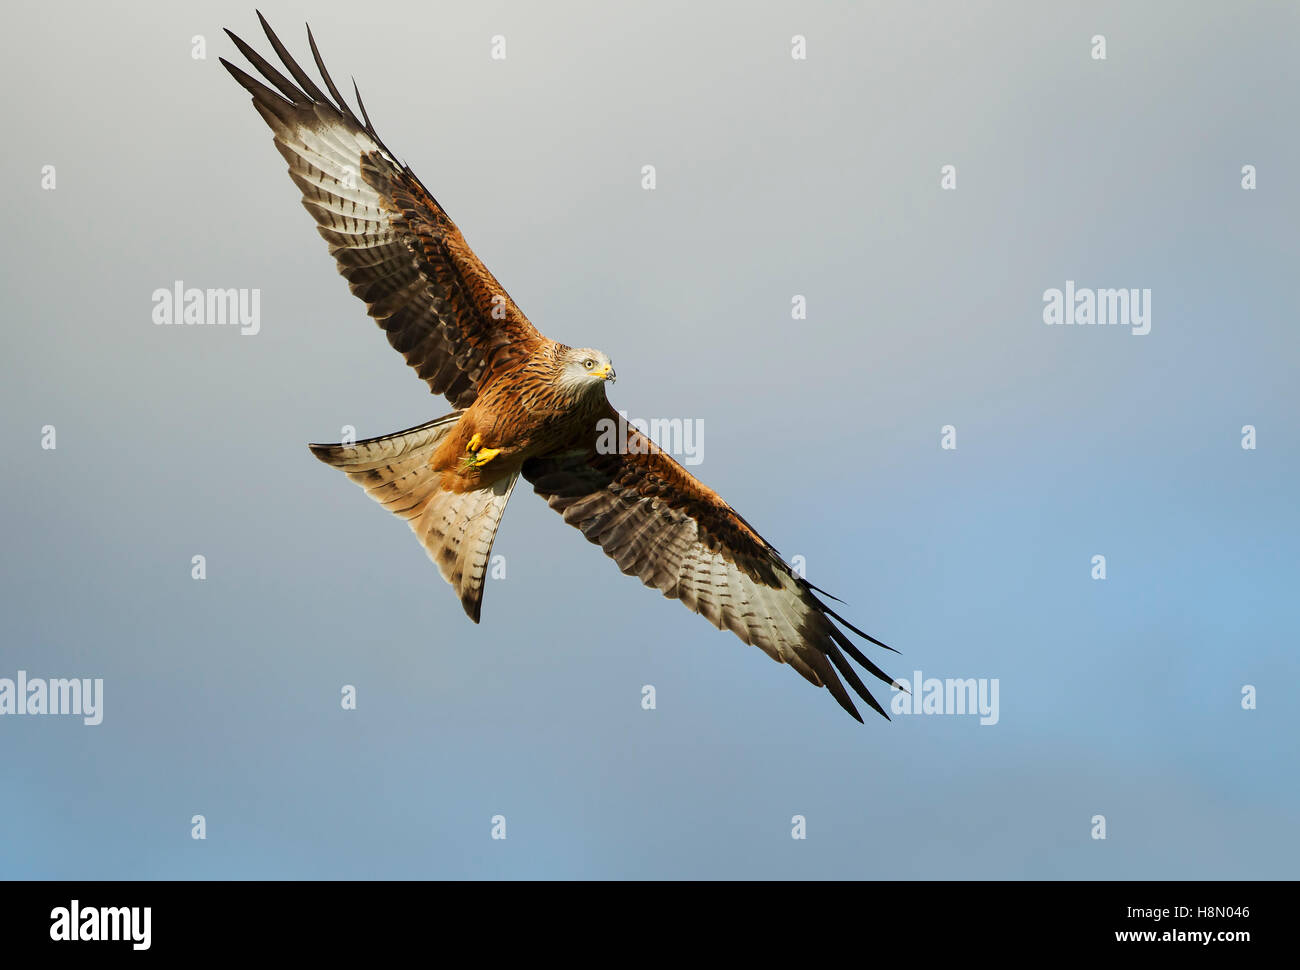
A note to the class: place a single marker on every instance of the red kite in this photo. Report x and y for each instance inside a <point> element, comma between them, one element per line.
<point>525,405</point>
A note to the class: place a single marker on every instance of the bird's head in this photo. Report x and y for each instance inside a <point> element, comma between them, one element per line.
<point>583,369</point>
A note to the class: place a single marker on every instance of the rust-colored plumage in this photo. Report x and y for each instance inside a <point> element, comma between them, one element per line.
<point>525,405</point>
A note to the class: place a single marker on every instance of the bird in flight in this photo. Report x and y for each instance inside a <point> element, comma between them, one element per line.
<point>524,404</point>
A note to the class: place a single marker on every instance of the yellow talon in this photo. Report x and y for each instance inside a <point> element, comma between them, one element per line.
<point>478,455</point>
<point>481,457</point>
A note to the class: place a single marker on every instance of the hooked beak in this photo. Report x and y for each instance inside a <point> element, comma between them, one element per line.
<point>606,373</point>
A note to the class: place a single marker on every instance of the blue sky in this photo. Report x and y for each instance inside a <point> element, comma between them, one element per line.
<point>1119,697</point>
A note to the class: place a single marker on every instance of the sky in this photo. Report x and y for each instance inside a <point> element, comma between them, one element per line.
<point>936,454</point>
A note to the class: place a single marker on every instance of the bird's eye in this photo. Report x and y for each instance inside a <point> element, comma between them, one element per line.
<point>589,363</point>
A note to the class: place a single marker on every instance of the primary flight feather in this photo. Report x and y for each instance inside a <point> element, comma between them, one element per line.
<point>526,405</point>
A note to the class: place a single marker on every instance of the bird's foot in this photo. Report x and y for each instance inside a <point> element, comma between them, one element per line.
<point>482,457</point>
<point>478,455</point>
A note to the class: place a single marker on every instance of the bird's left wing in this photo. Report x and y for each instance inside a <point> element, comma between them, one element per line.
<point>662,525</point>
<point>397,247</point>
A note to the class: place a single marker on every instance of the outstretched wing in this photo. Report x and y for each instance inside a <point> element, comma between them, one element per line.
<point>398,249</point>
<point>678,536</point>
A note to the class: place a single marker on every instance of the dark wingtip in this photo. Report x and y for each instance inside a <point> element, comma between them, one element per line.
<point>862,633</point>
<point>822,591</point>
<point>875,704</point>
<point>341,104</point>
<point>294,68</point>
<point>830,612</point>
<point>843,699</point>
<point>473,608</point>
<point>268,71</point>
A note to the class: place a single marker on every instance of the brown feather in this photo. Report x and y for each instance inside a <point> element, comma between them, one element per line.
<point>392,241</point>
<point>456,326</point>
<point>662,525</point>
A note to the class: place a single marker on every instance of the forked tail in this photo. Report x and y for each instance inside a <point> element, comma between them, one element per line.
<point>457,529</point>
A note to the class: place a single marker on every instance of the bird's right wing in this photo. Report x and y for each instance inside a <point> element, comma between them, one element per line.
<point>398,249</point>
<point>674,533</point>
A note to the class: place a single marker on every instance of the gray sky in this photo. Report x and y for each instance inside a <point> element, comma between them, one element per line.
<point>775,177</point>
